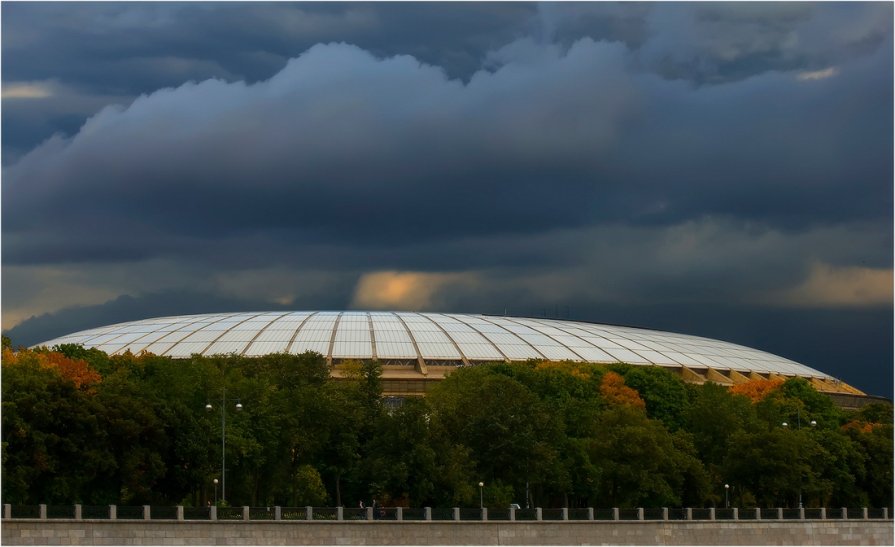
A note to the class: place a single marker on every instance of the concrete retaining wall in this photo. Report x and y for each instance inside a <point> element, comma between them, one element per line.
<point>87,532</point>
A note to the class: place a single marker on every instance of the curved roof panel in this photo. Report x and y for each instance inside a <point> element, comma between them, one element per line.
<point>430,337</point>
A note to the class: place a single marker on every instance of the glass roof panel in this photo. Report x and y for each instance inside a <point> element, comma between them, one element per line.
<point>602,342</point>
<point>263,347</point>
<point>185,349</point>
<point>353,332</point>
<point>468,338</point>
<point>252,325</point>
<point>100,339</point>
<point>453,326</point>
<point>725,361</point>
<point>301,346</point>
<point>343,349</point>
<point>112,349</point>
<point>479,351</point>
<point>237,336</point>
<point>656,346</point>
<point>137,328</point>
<point>128,337</point>
<point>559,352</point>
<point>571,341</point>
<point>516,328</point>
<point>159,347</point>
<point>545,329</point>
<point>629,344</point>
<point>576,331</point>
<point>314,334</point>
<point>745,364</point>
<point>595,355</point>
<point>223,347</point>
<point>538,340</point>
<point>625,356</point>
<point>505,338</point>
<point>656,357</point>
<point>517,351</point>
<point>434,350</point>
<point>275,336</point>
<point>395,350</point>
<point>433,337</point>
<point>701,359</point>
<point>203,336</point>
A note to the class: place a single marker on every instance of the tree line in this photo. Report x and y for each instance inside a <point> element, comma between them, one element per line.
<point>80,426</point>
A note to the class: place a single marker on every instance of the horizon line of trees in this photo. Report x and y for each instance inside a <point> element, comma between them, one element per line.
<point>80,426</point>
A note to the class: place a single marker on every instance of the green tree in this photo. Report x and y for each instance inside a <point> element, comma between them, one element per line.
<point>507,429</point>
<point>776,465</point>
<point>307,487</point>
<point>638,461</point>
<point>876,449</point>
<point>54,442</point>
<point>400,458</point>
<point>663,391</point>
<point>712,418</point>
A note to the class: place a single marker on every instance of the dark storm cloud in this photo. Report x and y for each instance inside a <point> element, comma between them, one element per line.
<point>138,47</point>
<point>549,138</point>
<point>126,49</point>
<point>336,136</point>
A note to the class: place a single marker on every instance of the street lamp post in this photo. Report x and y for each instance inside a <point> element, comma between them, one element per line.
<point>726,498</point>
<point>481,496</point>
<point>209,408</point>
<point>812,423</point>
<point>215,492</point>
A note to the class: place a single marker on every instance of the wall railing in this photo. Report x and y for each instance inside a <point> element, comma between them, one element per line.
<point>405,514</point>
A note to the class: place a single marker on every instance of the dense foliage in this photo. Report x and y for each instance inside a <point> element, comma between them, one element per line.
<point>82,426</point>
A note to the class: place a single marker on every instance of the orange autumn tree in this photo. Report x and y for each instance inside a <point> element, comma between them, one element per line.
<point>77,371</point>
<point>863,427</point>
<point>615,392</point>
<point>756,390</point>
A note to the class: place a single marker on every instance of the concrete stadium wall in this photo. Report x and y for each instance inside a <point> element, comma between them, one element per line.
<point>87,532</point>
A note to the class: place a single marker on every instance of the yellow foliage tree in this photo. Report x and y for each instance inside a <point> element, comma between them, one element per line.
<point>756,390</point>
<point>575,369</point>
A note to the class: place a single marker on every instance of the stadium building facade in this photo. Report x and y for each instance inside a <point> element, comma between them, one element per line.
<point>417,349</point>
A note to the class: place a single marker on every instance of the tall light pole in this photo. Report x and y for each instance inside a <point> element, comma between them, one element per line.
<point>726,498</point>
<point>215,481</point>
<point>481,496</point>
<point>813,423</point>
<point>209,408</point>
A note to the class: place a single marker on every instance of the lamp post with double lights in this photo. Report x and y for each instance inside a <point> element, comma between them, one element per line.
<point>209,408</point>
<point>812,423</point>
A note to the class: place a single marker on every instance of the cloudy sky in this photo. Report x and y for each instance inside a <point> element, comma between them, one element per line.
<point>723,170</point>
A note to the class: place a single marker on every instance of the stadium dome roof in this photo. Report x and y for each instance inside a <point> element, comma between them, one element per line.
<point>428,338</point>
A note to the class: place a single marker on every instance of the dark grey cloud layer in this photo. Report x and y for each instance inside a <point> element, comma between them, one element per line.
<point>677,166</point>
<point>552,137</point>
<point>125,49</point>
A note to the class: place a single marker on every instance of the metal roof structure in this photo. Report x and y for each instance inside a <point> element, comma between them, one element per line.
<point>433,339</point>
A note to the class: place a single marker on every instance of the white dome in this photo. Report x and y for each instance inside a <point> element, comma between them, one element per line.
<point>433,338</point>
